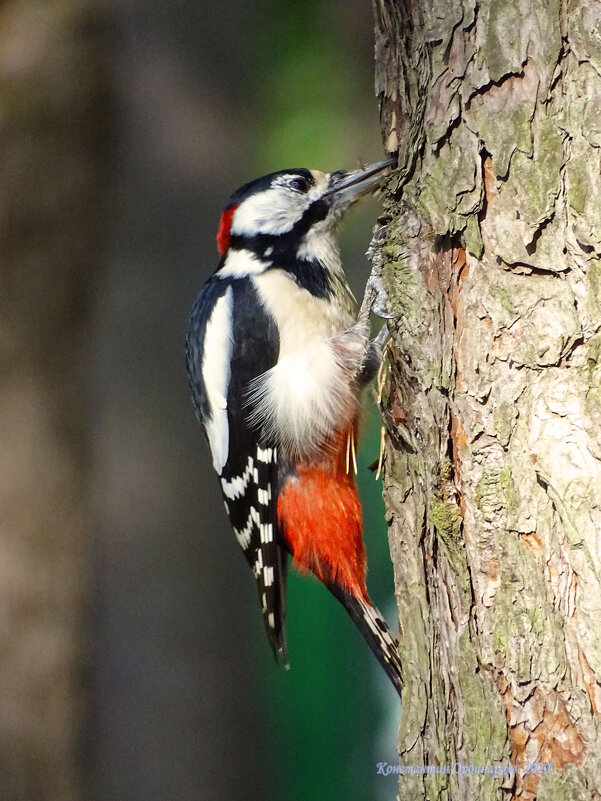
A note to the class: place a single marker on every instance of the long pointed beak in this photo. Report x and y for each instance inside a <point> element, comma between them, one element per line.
<point>348,186</point>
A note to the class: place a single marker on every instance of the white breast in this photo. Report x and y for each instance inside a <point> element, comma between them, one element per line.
<point>308,394</point>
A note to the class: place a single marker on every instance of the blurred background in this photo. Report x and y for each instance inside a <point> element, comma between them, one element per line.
<point>134,662</point>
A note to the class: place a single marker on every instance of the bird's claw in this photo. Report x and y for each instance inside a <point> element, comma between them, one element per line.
<point>376,299</point>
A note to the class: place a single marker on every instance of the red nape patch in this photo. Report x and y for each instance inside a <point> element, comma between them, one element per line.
<point>223,234</point>
<point>320,517</point>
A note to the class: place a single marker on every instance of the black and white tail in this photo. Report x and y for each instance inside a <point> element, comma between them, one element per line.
<point>368,619</point>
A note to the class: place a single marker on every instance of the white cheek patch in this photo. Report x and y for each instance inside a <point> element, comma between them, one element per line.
<point>274,211</point>
<point>216,360</point>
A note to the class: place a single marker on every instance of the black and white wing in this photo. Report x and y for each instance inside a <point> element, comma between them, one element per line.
<point>231,340</point>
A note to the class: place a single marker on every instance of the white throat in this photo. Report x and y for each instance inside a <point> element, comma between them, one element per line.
<point>320,244</point>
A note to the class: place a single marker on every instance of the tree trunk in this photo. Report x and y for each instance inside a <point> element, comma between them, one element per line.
<point>493,459</point>
<point>52,124</point>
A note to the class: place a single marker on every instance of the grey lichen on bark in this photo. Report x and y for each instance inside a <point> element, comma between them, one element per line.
<point>491,257</point>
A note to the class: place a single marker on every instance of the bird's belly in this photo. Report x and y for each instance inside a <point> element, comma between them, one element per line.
<point>308,395</point>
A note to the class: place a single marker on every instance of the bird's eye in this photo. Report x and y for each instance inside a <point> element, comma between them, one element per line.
<point>299,184</point>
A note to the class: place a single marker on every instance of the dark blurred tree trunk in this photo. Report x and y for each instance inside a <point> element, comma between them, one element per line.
<point>493,461</point>
<point>52,160</point>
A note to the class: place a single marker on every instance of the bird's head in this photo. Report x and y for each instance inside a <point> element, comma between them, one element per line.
<point>284,208</point>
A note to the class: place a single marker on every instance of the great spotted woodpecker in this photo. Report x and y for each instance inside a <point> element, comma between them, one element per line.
<point>277,356</point>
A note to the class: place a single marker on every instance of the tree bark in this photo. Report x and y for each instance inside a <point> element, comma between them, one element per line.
<point>52,157</point>
<point>490,255</point>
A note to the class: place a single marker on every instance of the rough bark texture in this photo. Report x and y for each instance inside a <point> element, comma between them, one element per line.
<point>493,404</point>
<point>51,158</point>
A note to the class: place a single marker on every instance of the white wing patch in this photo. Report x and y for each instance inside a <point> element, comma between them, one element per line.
<point>243,535</point>
<point>217,352</point>
<point>264,455</point>
<point>236,488</point>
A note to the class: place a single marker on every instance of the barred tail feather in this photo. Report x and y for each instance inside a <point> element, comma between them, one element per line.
<point>276,634</point>
<point>368,619</point>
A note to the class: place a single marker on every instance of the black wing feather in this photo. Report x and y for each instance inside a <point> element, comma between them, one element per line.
<point>249,478</point>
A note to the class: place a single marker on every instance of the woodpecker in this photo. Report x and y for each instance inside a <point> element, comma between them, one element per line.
<point>277,355</point>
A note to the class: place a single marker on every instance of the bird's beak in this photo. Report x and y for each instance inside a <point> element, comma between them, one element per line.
<point>346,187</point>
